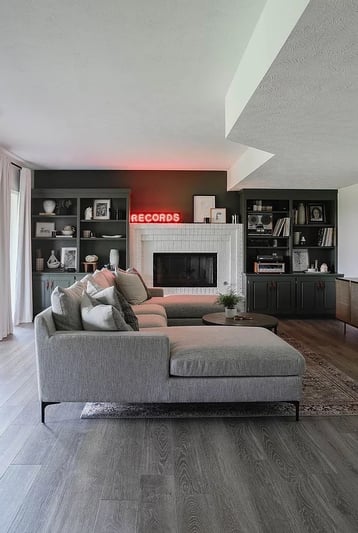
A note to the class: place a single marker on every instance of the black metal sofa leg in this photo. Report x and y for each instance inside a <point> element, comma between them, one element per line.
<point>297,406</point>
<point>43,407</point>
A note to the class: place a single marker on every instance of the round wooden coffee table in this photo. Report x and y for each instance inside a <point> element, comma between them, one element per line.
<point>243,319</point>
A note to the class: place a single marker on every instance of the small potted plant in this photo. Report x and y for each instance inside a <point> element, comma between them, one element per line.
<point>229,300</point>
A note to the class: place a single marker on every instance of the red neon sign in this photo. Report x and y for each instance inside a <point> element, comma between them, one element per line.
<point>156,218</point>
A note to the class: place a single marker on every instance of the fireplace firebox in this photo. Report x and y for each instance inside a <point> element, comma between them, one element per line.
<point>184,269</point>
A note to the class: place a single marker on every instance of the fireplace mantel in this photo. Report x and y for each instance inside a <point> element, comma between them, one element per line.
<point>224,239</point>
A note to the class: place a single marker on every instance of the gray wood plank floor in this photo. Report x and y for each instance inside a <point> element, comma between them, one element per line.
<point>182,476</point>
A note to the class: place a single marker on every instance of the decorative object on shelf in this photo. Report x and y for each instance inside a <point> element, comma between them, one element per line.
<point>218,215</point>
<point>69,258</point>
<point>114,258</point>
<point>89,266</point>
<point>68,231</point>
<point>39,264</point>
<point>259,223</point>
<point>87,233</point>
<point>301,216</point>
<point>302,240</point>
<point>234,219</point>
<point>316,213</point>
<point>101,209</point>
<point>90,263</point>
<point>49,206</point>
<point>44,229</point>
<point>296,238</point>
<point>112,236</point>
<point>300,260</point>
<point>64,207</point>
<point>91,258</point>
<point>52,261</point>
<point>201,207</point>
<point>229,300</point>
<point>88,213</point>
<point>324,268</point>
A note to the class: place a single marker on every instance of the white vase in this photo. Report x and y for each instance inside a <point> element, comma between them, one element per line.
<point>230,312</point>
<point>114,258</point>
<point>49,206</point>
<point>301,217</point>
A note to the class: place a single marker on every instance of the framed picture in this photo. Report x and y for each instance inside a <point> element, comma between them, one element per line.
<point>300,259</point>
<point>69,258</point>
<point>101,209</point>
<point>201,207</point>
<point>218,215</point>
<point>316,213</point>
<point>44,229</point>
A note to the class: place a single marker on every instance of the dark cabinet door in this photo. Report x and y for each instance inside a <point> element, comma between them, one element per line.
<point>259,295</point>
<point>283,294</point>
<point>271,295</point>
<point>316,296</point>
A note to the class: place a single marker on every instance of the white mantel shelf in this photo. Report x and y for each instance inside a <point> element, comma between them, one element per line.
<point>224,239</point>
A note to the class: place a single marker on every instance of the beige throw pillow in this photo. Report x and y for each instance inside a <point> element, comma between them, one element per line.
<point>131,286</point>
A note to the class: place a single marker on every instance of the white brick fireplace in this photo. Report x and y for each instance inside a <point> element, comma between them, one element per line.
<point>223,239</point>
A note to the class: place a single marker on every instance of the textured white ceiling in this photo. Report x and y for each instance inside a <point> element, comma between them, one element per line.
<point>305,111</point>
<point>120,84</point>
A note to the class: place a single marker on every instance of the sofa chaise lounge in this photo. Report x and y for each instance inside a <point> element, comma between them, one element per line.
<point>177,364</point>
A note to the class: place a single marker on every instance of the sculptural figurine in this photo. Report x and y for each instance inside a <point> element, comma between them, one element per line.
<point>88,213</point>
<point>52,261</point>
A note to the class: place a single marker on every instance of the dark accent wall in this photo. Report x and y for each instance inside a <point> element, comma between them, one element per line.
<point>151,190</point>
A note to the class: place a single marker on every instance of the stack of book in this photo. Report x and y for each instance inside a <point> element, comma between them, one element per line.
<point>326,237</point>
<point>282,227</point>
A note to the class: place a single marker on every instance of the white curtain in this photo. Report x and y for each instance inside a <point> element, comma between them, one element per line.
<point>23,281</point>
<point>6,326</point>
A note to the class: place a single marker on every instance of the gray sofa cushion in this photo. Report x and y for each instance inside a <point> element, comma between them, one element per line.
<point>149,309</point>
<point>151,321</point>
<point>187,306</point>
<point>229,351</point>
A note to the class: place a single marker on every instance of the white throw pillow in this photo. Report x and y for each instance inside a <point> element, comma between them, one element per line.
<point>114,297</point>
<point>101,317</point>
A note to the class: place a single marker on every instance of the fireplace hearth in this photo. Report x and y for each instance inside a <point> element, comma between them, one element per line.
<point>184,269</point>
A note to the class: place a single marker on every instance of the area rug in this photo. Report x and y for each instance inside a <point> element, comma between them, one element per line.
<point>326,392</point>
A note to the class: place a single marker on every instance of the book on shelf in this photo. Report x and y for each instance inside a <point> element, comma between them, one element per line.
<point>326,237</point>
<point>282,227</point>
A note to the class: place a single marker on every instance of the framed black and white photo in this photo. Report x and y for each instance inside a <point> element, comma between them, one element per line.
<point>44,229</point>
<point>316,213</point>
<point>201,207</point>
<point>69,258</point>
<point>101,209</point>
<point>218,215</point>
<point>300,259</point>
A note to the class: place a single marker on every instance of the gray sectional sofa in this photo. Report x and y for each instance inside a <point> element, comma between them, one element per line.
<point>177,364</point>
